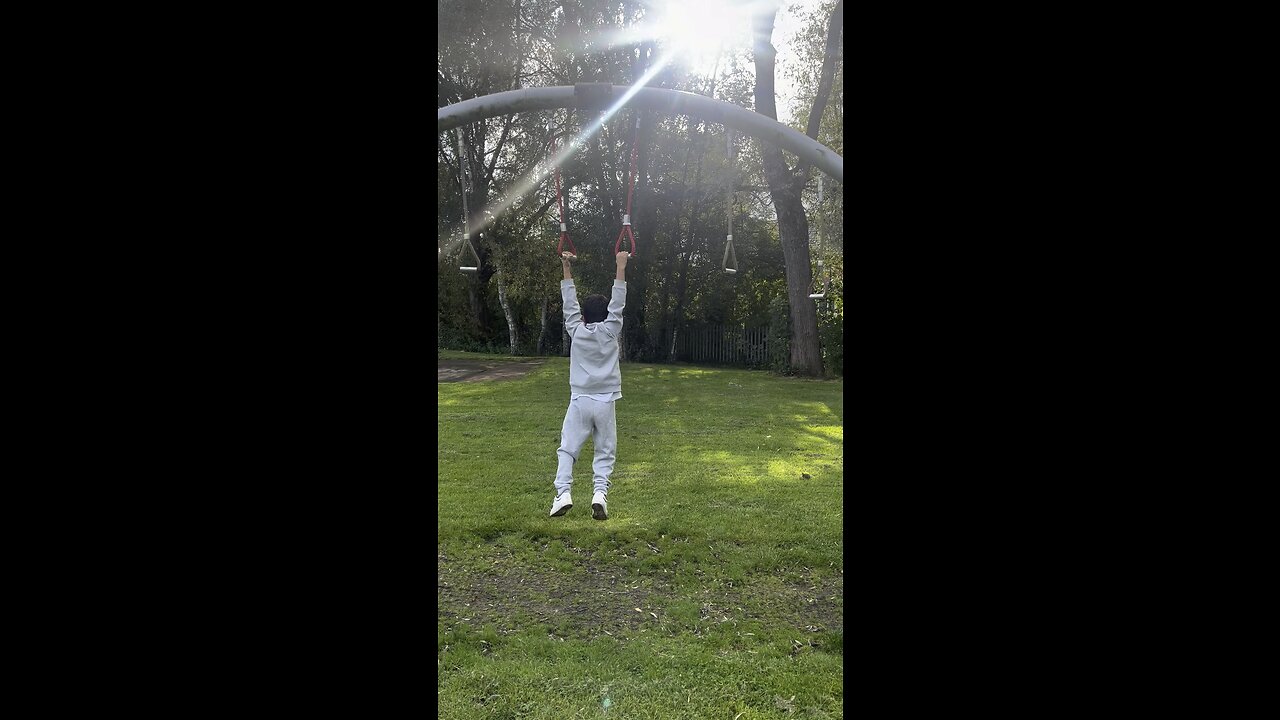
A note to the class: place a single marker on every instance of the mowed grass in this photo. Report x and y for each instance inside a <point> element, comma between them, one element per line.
<point>714,590</point>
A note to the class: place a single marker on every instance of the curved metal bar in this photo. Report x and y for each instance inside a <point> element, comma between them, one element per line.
<point>646,98</point>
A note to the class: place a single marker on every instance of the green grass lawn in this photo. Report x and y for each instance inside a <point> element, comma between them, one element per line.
<point>714,590</point>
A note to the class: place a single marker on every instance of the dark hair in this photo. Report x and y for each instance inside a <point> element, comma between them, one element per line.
<point>595,308</point>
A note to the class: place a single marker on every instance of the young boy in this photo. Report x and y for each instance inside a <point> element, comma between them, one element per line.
<point>595,382</point>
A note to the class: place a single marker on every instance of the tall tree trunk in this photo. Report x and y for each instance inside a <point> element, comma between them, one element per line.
<point>542,333</point>
<point>473,137</point>
<point>683,283</point>
<point>636,329</point>
<point>793,226</point>
<point>662,337</point>
<point>665,327</point>
<point>677,318</point>
<point>604,191</point>
<point>477,310</point>
<point>512,330</point>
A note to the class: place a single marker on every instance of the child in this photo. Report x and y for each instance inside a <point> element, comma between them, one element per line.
<point>595,382</point>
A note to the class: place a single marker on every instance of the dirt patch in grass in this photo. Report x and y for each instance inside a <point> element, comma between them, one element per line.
<point>509,594</point>
<point>477,370</point>
<point>594,597</point>
<point>814,607</point>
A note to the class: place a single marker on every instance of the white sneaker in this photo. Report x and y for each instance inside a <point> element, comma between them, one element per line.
<point>561,505</point>
<point>599,508</point>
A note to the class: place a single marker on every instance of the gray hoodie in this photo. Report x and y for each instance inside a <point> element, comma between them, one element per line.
<point>593,356</point>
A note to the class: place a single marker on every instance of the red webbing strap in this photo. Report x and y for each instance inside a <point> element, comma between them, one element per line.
<point>631,187</point>
<point>564,228</point>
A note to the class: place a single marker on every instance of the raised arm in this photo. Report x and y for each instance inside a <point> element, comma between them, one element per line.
<point>619,299</point>
<point>569,296</point>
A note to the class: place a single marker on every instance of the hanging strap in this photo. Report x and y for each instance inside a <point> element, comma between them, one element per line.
<point>466,233</point>
<point>631,187</point>
<point>564,228</point>
<point>729,251</point>
<point>822,277</point>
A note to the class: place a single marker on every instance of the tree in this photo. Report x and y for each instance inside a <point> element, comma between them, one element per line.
<point>786,184</point>
<point>487,46</point>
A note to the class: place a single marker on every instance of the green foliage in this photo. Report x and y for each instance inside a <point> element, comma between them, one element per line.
<point>680,203</point>
<point>810,46</point>
<point>780,334</point>
<point>831,330</point>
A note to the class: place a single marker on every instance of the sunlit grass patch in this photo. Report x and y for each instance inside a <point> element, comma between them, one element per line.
<point>716,586</point>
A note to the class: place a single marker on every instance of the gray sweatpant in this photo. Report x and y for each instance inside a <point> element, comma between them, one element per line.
<point>587,417</point>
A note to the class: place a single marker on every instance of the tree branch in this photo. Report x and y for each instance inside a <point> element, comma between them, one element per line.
<point>506,129</point>
<point>775,165</point>
<point>515,83</point>
<point>835,29</point>
<point>537,215</point>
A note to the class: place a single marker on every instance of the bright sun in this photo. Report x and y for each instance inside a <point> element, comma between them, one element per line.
<point>695,31</point>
